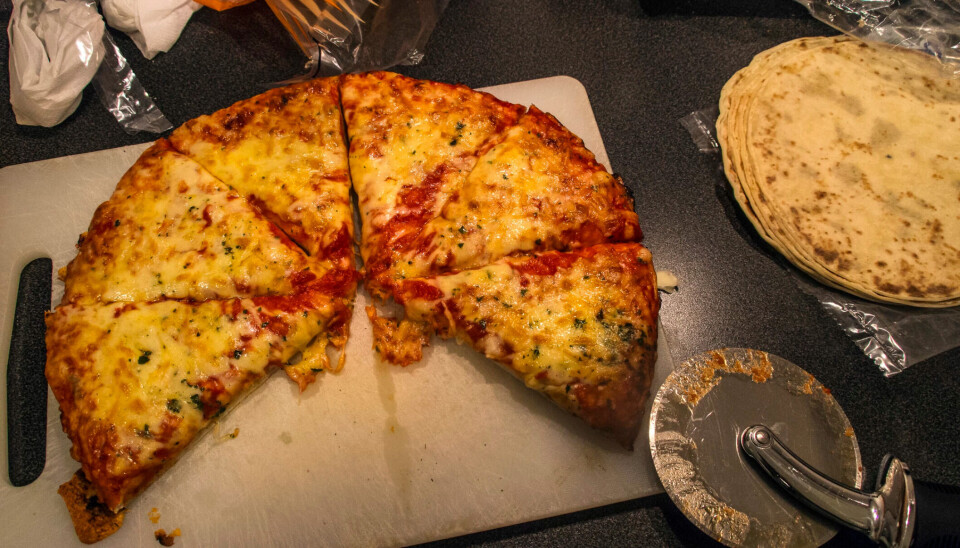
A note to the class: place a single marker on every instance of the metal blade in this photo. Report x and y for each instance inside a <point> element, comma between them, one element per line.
<point>697,417</point>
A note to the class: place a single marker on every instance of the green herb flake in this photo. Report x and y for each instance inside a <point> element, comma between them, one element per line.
<point>173,405</point>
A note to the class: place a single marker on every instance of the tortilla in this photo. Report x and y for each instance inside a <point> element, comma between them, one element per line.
<point>845,156</point>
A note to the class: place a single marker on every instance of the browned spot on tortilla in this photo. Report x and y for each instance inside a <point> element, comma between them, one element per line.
<point>827,255</point>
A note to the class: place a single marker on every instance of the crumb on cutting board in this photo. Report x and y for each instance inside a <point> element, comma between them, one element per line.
<point>165,539</point>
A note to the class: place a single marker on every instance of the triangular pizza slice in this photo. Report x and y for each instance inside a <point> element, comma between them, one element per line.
<point>172,230</point>
<point>412,144</point>
<point>284,150</point>
<point>534,188</point>
<point>136,382</point>
<point>579,327</point>
<point>451,178</point>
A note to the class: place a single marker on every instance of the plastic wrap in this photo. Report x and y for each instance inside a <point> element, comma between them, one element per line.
<point>893,337</point>
<point>54,51</point>
<point>932,26</point>
<point>122,94</point>
<point>339,36</point>
<point>57,48</point>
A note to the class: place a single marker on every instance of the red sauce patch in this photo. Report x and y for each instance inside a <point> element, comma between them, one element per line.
<point>302,278</point>
<point>124,308</point>
<point>210,390</point>
<point>341,246</point>
<point>338,282</point>
<point>417,289</point>
<point>546,264</point>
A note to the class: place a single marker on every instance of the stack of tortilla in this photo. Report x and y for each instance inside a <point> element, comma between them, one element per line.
<point>845,156</point>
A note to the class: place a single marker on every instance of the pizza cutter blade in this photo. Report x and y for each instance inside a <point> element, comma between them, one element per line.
<point>721,409</point>
<point>697,420</point>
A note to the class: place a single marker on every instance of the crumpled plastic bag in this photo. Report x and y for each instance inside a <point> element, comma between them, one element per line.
<point>931,26</point>
<point>55,49</point>
<point>153,25</point>
<point>340,36</point>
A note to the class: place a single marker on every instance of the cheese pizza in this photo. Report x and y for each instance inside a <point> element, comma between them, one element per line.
<point>136,382</point>
<point>284,150</point>
<point>228,249</point>
<point>579,327</point>
<point>172,230</point>
<point>412,145</point>
<point>450,178</point>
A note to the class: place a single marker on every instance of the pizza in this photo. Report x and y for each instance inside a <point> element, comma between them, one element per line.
<point>137,381</point>
<point>412,144</point>
<point>284,149</point>
<point>227,250</point>
<point>450,178</point>
<point>172,230</point>
<point>580,327</point>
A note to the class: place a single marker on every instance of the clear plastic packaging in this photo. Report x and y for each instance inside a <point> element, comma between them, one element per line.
<point>340,36</point>
<point>122,94</point>
<point>56,49</point>
<point>893,337</point>
<point>932,26</point>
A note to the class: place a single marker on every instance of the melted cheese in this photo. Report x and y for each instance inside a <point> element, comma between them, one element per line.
<point>412,143</point>
<point>285,150</point>
<point>579,327</point>
<point>449,178</point>
<point>171,230</point>
<point>538,188</point>
<point>136,382</point>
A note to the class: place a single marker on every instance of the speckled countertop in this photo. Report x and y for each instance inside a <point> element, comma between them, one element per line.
<point>642,73</point>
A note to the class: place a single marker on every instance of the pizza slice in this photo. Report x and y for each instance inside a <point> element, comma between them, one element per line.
<point>579,327</point>
<point>172,230</point>
<point>450,178</point>
<point>412,144</point>
<point>535,188</point>
<point>284,151</point>
<point>137,382</point>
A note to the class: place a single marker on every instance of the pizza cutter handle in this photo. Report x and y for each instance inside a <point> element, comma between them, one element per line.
<point>938,515</point>
<point>887,515</point>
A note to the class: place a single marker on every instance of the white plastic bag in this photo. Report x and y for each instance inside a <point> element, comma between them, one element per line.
<point>55,48</point>
<point>153,25</point>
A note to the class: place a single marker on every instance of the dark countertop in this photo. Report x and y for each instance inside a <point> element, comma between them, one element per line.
<point>642,73</point>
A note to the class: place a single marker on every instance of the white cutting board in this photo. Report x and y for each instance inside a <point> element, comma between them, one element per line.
<point>375,455</point>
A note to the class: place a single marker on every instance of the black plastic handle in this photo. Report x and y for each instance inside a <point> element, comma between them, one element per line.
<point>26,385</point>
<point>938,515</point>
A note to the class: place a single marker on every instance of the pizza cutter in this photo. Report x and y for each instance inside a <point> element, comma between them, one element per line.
<point>735,432</point>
